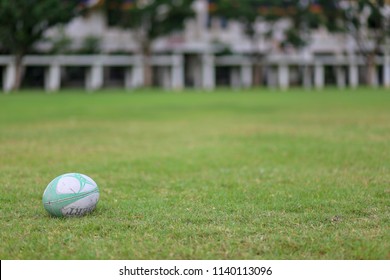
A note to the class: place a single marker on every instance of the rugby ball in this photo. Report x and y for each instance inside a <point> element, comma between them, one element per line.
<point>71,194</point>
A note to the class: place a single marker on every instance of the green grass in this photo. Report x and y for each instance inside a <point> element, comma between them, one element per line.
<point>251,174</point>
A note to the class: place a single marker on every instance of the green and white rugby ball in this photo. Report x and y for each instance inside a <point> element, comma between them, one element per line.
<point>71,194</point>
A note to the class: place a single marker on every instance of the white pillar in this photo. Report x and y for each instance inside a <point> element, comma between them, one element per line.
<point>319,76</point>
<point>307,79</point>
<point>353,75</point>
<point>246,75</point>
<point>177,72</point>
<point>166,77</point>
<point>235,77</point>
<point>386,71</point>
<point>283,76</point>
<point>353,69</point>
<point>53,78</point>
<point>271,77</point>
<point>9,77</point>
<point>340,77</point>
<point>374,78</point>
<point>94,79</point>
<point>129,78</point>
<point>134,76</point>
<point>208,71</point>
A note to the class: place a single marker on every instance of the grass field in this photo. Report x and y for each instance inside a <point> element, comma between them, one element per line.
<point>254,174</point>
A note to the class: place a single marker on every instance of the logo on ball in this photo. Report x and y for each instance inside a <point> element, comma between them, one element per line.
<point>71,194</point>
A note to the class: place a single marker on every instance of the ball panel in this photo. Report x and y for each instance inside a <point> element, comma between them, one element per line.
<point>68,184</point>
<point>50,190</point>
<point>70,194</point>
<point>81,206</point>
<point>78,202</point>
<point>52,210</point>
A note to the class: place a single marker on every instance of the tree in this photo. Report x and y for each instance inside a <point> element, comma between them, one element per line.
<point>301,15</point>
<point>149,20</point>
<point>24,22</point>
<point>366,21</point>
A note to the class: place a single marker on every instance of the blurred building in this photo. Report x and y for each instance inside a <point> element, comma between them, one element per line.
<point>214,51</point>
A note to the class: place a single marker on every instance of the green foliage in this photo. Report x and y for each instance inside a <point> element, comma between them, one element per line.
<point>294,38</point>
<point>91,45</point>
<point>61,43</point>
<point>249,11</point>
<point>336,16</point>
<point>24,22</point>
<point>151,18</point>
<point>252,174</point>
<point>351,14</point>
<point>369,24</point>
